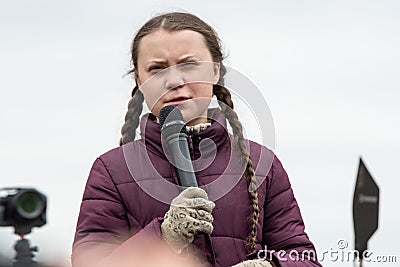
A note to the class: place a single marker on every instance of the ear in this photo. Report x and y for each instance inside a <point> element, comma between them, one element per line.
<point>216,73</point>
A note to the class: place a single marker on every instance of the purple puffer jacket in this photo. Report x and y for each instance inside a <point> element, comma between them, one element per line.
<point>130,187</point>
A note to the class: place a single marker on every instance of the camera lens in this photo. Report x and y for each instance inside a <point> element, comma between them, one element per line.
<point>29,205</point>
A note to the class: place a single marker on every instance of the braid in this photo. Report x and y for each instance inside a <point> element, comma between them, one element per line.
<point>223,95</point>
<point>135,107</point>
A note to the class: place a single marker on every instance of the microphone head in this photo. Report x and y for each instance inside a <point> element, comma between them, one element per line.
<point>171,121</point>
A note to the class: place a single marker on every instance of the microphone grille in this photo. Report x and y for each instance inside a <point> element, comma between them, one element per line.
<point>171,121</point>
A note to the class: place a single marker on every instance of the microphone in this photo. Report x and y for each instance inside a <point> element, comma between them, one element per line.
<point>173,130</point>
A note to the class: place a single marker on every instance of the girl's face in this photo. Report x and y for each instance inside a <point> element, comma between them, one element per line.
<point>175,68</point>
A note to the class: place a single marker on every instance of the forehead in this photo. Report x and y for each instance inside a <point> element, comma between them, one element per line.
<point>168,45</point>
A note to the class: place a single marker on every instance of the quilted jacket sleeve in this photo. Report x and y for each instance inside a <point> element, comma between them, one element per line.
<point>104,236</point>
<point>283,228</point>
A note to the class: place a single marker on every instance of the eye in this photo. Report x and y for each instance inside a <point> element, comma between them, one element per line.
<point>189,64</point>
<point>155,68</point>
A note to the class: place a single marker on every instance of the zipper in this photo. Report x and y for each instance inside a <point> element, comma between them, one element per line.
<point>191,150</point>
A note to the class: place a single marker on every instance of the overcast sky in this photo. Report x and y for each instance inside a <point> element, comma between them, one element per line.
<point>329,71</point>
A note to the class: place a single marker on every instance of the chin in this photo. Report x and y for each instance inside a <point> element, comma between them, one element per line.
<point>194,115</point>
<point>193,111</point>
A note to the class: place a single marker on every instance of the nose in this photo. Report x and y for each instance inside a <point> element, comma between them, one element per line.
<point>174,78</point>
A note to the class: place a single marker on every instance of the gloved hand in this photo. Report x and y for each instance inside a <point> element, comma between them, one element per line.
<point>189,214</point>
<point>254,263</point>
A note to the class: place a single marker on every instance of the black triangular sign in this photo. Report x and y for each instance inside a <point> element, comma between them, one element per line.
<point>365,208</point>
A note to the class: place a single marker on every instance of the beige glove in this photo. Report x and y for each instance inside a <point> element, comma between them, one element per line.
<point>189,214</point>
<point>254,263</point>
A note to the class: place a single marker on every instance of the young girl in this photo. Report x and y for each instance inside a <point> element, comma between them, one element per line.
<point>127,217</point>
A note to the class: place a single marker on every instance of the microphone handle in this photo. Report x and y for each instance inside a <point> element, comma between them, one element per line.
<point>179,150</point>
<point>184,170</point>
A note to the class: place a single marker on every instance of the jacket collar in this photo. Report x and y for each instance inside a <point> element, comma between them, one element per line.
<point>151,134</point>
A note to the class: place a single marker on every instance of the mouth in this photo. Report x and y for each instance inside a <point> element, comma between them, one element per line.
<point>177,101</point>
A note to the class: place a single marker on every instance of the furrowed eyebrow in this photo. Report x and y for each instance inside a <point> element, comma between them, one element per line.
<point>162,61</point>
<point>156,61</point>
<point>184,58</point>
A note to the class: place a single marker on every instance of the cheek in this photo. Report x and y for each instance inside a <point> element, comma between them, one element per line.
<point>197,107</point>
<point>153,91</point>
<point>202,94</point>
<point>201,90</point>
<point>152,102</point>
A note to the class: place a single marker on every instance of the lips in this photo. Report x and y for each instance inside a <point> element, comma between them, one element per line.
<point>177,100</point>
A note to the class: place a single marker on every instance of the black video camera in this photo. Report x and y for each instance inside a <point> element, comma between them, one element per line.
<point>22,208</point>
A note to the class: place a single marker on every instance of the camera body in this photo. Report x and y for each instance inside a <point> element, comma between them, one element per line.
<point>22,208</point>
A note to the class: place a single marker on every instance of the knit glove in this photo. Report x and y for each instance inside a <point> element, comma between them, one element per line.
<point>189,214</point>
<point>254,263</point>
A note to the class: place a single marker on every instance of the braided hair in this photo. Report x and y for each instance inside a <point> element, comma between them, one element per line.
<point>176,21</point>
<point>135,107</point>
<point>225,102</point>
